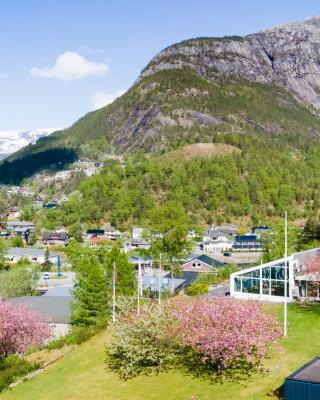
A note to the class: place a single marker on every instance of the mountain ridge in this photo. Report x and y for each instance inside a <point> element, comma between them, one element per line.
<point>206,90</point>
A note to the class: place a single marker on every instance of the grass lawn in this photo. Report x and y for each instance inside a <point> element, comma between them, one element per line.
<point>82,374</point>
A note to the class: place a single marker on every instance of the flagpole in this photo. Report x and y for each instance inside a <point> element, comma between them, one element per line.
<point>159,282</point>
<point>285,323</point>
<point>139,284</point>
<point>114,292</point>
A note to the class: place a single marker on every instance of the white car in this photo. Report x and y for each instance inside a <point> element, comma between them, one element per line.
<point>46,275</point>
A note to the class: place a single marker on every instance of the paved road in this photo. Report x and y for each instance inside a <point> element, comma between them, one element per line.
<point>68,279</point>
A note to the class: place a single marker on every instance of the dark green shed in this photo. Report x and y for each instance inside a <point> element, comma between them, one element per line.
<point>304,384</point>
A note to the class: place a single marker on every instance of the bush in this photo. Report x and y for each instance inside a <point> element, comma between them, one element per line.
<point>196,289</point>
<point>140,345</point>
<point>78,335</point>
<point>200,334</point>
<point>14,367</point>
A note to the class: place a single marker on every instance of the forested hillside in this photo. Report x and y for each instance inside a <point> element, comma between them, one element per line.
<point>262,178</point>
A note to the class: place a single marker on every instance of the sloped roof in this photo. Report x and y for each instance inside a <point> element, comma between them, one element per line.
<point>55,309</point>
<point>29,252</point>
<point>207,260</point>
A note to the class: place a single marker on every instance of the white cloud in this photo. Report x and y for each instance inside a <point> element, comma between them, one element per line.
<point>101,99</point>
<point>71,66</point>
<point>4,76</point>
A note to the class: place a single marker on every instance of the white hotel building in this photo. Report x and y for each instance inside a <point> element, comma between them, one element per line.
<point>266,281</point>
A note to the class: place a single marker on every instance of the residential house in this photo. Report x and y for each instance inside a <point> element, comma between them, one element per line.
<point>55,309</point>
<point>137,240</point>
<point>20,228</point>
<point>246,243</point>
<point>112,233</point>
<point>38,256</point>
<point>164,283</point>
<point>56,237</point>
<point>93,235</point>
<point>215,240</point>
<point>201,263</point>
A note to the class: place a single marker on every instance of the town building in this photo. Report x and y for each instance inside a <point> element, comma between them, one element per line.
<point>246,243</point>
<point>56,238</point>
<point>38,256</point>
<point>267,281</point>
<point>201,263</point>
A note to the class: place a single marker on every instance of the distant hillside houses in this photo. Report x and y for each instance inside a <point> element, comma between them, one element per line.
<point>20,228</point>
<point>107,232</point>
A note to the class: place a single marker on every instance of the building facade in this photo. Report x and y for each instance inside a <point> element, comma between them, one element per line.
<point>266,282</point>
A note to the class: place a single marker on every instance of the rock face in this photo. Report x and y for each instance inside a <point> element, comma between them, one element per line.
<point>287,55</point>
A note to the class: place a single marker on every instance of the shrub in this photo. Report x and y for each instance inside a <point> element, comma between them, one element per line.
<point>14,367</point>
<point>200,334</point>
<point>139,344</point>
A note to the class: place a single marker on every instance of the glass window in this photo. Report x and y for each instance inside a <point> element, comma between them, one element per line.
<point>266,287</point>
<point>277,272</point>
<point>237,284</point>
<point>277,288</point>
<point>266,272</point>
<point>251,285</point>
<point>252,274</point>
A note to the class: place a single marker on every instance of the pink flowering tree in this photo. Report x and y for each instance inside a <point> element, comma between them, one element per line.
<point>312,266</point>
<point>223,330</point>
<point>200,334</point>
<point>20,329</point>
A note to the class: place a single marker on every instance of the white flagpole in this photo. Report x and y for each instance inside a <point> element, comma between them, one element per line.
<point>114,292</point>
<point>159,281</point>
<point>285,273</point>
<point>139,285</point>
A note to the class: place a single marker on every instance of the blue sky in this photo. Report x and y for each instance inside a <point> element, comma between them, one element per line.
<point>62,58</point>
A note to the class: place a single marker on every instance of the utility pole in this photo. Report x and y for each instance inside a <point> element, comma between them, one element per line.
<point>139,285</point>
<point>160,278</point>
<point>114,292</point>
<point>285,273</point>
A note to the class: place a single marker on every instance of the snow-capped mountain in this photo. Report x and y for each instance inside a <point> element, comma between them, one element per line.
<point>11,141</point>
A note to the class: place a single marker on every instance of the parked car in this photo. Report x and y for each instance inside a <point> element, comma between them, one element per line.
<point>227,254</point>
<point>46,275</point>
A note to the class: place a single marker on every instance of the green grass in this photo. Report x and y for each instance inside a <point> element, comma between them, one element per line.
<point>82,374</point>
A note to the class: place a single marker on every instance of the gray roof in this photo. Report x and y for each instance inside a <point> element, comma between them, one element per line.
<point>152,283</point>
<point>19,223</point>
<point>29,251</point>
<point>54,309</point>
<point>61,291</point>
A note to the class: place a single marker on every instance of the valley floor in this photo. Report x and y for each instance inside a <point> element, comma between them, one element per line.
<point>82,375</point>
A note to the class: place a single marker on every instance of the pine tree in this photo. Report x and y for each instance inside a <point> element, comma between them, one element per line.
<point>92,292</point>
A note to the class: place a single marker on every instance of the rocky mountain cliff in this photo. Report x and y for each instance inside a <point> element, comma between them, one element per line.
<point>287,55</point>
<point>208,90</point>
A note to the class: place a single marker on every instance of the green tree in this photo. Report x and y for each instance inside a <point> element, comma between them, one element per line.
<point>91,292</point>
<point>273,241</point>
<point>125,282</point>
<point>17,241</point>
<point>168,232</point>
<point>47,265</point>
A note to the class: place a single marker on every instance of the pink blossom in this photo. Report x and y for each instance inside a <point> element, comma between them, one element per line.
<point>20,329</point>
<point>223,330</point>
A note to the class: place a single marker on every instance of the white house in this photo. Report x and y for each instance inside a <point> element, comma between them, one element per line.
<point>38,256</point>
<point>215,240</point>
<point>267,281</point>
